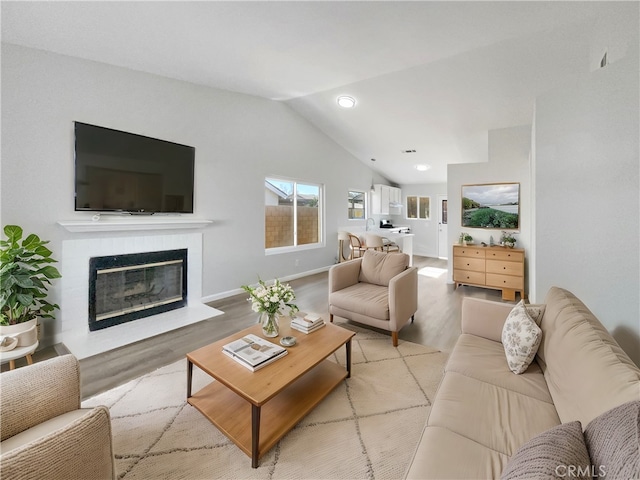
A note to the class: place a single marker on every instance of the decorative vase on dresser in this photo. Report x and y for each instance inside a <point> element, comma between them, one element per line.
<point>490,267</point>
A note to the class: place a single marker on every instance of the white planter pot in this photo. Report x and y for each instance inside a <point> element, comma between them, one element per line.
<point>15,329</point>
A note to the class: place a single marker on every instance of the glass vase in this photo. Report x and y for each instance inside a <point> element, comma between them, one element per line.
<point>269,322</point>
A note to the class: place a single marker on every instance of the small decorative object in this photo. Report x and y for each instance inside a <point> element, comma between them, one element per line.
<point>288,341</point>
<point>491,241</point>
<point>270,301</point>
<point>508,240</point>
<point>468,239</point>
<point>24,275</point>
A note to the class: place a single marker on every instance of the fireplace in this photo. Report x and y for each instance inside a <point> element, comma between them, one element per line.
<point>123,288</point>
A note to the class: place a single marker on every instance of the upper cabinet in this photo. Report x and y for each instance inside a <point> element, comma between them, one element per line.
<point>386,200</point>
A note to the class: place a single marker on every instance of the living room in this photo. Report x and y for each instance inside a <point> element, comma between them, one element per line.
<point>576,158</point>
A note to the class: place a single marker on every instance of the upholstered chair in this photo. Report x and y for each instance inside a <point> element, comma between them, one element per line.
<point>379,290</point>
<point>45,433</point>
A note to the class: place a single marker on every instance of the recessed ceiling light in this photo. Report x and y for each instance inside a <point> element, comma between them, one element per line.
<point>422,167</point>
<point>346,102</point>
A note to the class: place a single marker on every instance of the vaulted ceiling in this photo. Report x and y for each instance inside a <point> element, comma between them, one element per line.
<point>433,77</point>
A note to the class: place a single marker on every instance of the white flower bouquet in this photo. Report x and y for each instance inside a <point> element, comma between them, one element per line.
<point>272,299</point>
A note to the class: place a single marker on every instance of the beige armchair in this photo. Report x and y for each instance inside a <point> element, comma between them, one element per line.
<point>45,433</point>
<point>379,290</point>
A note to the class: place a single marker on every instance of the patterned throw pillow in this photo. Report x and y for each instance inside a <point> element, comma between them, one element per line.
<point>559,452</point>
<point>520,338</point>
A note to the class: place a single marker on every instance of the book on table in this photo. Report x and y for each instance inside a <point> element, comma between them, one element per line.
<point>307,324</point>
<point>253,352</point>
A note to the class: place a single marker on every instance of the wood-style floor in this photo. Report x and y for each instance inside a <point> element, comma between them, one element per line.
<point>437,324</point>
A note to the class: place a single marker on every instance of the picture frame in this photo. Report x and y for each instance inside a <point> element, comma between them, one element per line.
<point>491,206</point>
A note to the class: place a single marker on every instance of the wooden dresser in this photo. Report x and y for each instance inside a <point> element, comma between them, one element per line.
<point>499,268</point>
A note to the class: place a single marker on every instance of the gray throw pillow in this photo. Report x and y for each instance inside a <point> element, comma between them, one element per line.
<point>613,441</point>
<point>559,452</point>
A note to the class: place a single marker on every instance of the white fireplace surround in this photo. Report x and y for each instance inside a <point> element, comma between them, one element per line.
<point>74,308</point>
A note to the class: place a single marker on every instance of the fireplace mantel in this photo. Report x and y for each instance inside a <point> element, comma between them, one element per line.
<point>119,224</point>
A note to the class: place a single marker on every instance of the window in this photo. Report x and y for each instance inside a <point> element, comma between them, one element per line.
<point>356,205</point>
<point>418,207</point>
<point>292,213</point>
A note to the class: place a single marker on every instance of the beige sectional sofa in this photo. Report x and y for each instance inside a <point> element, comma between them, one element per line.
<point>483,412</point>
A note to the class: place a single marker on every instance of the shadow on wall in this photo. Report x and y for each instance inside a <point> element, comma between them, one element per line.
<point>629,341</point>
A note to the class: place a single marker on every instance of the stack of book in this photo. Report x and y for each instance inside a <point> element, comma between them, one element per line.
<point>307,324</point>
<point>253,352</point>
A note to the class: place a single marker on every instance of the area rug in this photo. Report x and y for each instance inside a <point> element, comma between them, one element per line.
<point>367,428</point>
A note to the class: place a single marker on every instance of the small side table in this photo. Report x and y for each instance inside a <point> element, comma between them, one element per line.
<point>16,353</point>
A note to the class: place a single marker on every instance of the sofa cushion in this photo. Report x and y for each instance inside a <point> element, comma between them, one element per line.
<point>586,370</point>
<point>442,454</point>
<point>493,416</point>
<point>521,338</point>
<point>379,268</point>
<point>613,440</point>
<point>363,298</point>
<point>483,360</point>
<point>556,453</point>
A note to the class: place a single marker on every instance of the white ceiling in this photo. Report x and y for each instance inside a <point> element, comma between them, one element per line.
<point>429,76</point>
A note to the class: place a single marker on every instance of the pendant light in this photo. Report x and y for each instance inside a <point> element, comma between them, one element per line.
<point>373,187</point>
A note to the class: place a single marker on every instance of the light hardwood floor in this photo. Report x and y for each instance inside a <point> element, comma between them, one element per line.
<point>437,324</point>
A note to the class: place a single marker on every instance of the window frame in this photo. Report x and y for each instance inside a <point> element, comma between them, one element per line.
<point>365,204</point>
<point>321,243</point>
<point>419,200</point>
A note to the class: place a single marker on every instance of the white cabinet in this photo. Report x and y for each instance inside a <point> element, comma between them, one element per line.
<point>386,200</point>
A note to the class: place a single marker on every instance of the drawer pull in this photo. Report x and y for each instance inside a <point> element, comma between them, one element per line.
<point>467,264</point>
<point>504,268</point>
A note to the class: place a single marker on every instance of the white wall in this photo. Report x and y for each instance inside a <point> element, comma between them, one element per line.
<point>509,155</point>
<point>239,139</point>
<point>587,191</point>
<point>425,242</point>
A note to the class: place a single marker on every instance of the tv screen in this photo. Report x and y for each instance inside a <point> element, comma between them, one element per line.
<point>123,172</point>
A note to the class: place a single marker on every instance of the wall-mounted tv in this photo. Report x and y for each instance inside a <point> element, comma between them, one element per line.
<point>491,205</point>
<point>117,171</point>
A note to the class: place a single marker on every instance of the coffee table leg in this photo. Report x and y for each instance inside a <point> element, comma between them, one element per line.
<point>255,435</point>
<point>348,345</point>
<point>189,377</point>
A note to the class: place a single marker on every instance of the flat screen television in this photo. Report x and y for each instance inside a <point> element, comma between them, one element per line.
<point>117,171</point>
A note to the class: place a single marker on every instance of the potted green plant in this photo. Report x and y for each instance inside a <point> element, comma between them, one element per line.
<point>508,240</point>
<point>468,239</point>
<point>25,274</point>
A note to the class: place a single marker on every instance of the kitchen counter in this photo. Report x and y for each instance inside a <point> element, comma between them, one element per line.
<point>404,240</point>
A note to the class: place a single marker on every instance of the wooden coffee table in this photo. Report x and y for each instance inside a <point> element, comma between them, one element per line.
<point>256,409</point>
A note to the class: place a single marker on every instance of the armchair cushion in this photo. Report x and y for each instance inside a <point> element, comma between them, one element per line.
<point>379,268</point>
<point>365,299</point>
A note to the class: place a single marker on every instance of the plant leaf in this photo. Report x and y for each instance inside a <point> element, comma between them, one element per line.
<point>25,299</point>
<point>13,233</point>
<point>31,242</point>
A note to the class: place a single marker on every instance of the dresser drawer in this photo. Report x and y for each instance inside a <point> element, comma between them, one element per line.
<point>505,255</point>
<point>468,252</point>
<point>506,268</point>
<point>468,263</point>
<point>463,276</point>
<point>505,281</point>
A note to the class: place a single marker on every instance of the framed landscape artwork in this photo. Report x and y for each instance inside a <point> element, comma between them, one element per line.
<point>491,205</point>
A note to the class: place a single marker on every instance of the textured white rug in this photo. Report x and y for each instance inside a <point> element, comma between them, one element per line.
<point>365,429</point>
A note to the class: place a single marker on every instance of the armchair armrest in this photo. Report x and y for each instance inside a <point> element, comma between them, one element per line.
<point>484,318</point>
<point>343,275</point>
<point>403,297</point>
<point>34,394</point>
<point>80,449</point>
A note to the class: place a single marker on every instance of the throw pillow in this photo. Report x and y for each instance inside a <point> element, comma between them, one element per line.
<point>535,311</point>
<point>613,440</point>
<point>559,452</point>
<point>520,338</point>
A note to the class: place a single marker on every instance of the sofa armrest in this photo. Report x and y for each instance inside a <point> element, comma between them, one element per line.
<point>403,297</point>
<point>80,449</point>
<point>36,393</point>
<point>484,318</point>
<point>343,275</point>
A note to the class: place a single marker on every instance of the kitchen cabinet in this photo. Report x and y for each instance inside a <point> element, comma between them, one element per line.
<point>386,200</point>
